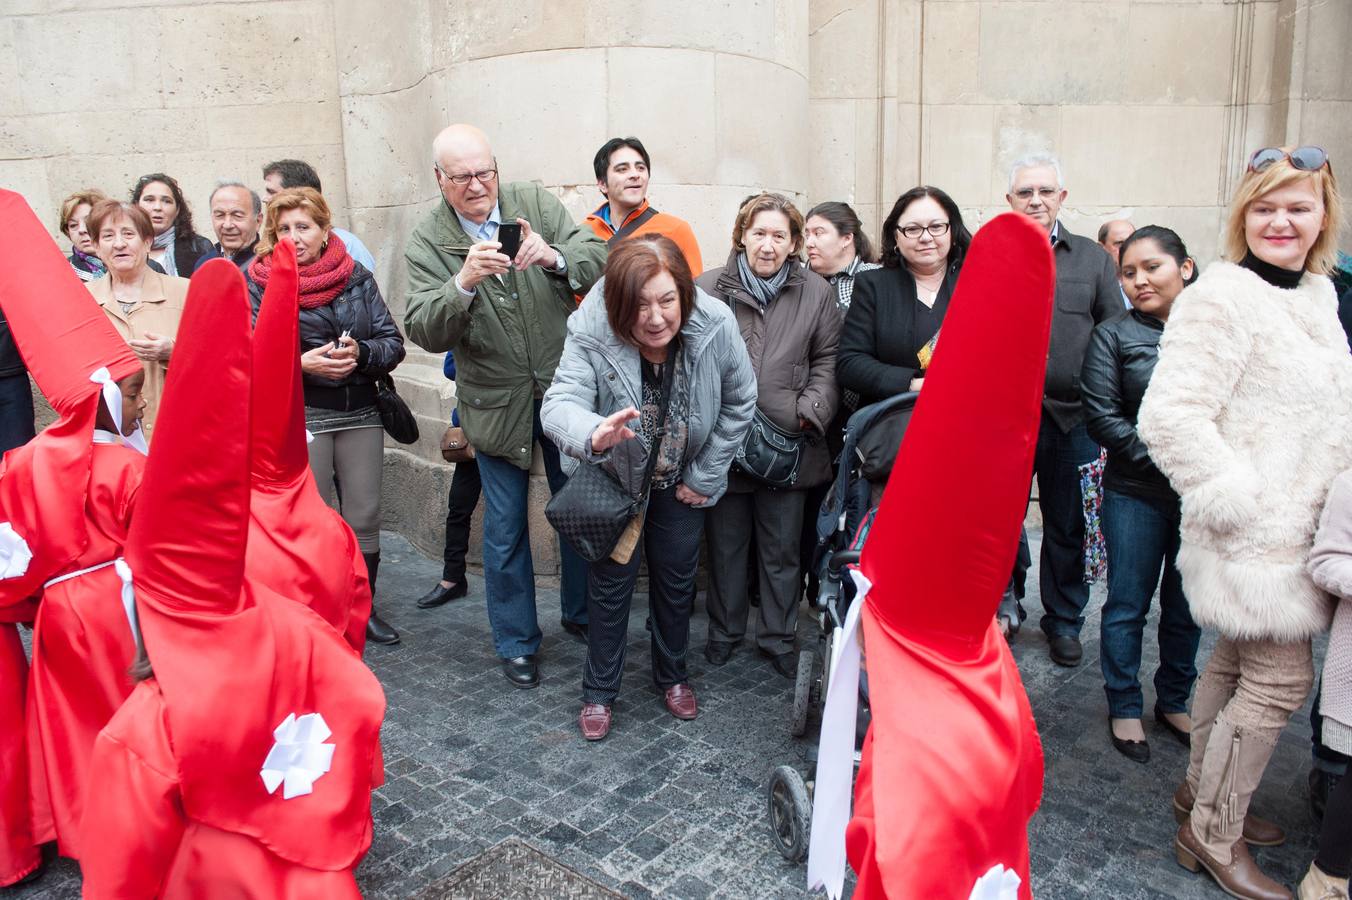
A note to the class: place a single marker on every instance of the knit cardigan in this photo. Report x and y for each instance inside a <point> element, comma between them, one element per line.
<point>1249,414</point>
<point>1331,569</point>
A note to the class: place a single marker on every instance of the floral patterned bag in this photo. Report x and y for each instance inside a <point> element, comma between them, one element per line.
<point>1091,494</point>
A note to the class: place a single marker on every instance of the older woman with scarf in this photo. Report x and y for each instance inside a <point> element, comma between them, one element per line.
<point>347,341</point>
<point>789,319</point>
<point>75,211</point>
<point>176,247</point>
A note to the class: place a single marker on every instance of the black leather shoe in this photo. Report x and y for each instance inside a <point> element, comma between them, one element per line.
<point>522,671</point>
<point>576,629</point>
<point>1136,751</point>
<point>785,664</point>
<point>1065,650</point>
<point>439,595</point>
<point>718,652</point>
<point>379,631</point>
<point>1179,734</point>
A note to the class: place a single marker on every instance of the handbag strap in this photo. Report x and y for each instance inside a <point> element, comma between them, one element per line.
<point>668,376</point>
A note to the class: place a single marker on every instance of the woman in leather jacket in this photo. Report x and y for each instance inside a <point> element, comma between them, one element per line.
<point>1140,509</point>
<point>347,342</point>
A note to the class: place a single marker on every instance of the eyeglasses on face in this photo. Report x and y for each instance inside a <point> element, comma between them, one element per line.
<point>487,176</point>
<point>913,231</point>
<point>1046,193</point>
<point>1306,159</point>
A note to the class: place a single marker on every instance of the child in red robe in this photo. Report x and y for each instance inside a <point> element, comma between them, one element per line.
<point>66,496</point>
<point>299,546</point>
<point>951,769</point>
<point>243,764</point>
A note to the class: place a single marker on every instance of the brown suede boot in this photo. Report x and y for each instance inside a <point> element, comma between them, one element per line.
<point>1257,832</point>
<point>1213,692</point>
<point>1240,877</point>
<point>1319,885</point>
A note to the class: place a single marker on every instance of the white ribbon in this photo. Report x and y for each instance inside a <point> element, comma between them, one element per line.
<point>112,401</point>
<point>129,600</point>
<point>299,757</point>
<point>15,554</point>
<point>835,754</point>
<point>998,883</point>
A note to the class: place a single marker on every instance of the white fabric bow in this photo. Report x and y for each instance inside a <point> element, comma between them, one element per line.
<point>998,883</point>
<point>835,754</point>
<point>15,554</point>
<point>300,756</point>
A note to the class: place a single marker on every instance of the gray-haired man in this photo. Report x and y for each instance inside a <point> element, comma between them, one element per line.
<point>236,214</point>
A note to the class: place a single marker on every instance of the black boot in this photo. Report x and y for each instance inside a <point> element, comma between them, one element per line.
<point>377,629</point>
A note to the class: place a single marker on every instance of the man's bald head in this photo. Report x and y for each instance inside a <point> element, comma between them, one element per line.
<point>1111,235</point>
<point>459,151</point>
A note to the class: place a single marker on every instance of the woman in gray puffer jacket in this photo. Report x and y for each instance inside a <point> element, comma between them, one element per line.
<point>643,319</point>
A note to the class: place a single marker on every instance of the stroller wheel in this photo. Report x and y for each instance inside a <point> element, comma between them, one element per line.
<point>790,812</point>
<point>802,694</point>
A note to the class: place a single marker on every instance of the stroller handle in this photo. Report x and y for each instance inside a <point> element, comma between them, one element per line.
<point>842,558</point>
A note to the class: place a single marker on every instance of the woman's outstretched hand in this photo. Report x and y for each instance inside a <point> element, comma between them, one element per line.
<point>613,429</point>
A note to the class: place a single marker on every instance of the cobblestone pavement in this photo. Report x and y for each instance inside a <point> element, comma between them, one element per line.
<point>675,809</point>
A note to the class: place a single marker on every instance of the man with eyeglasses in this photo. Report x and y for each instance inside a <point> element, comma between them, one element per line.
<point>1087,293</point>
<point>505,319</point>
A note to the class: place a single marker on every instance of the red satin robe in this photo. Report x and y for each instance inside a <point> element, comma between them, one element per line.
<point>18,851</point>
<point>158,851</point>
<point>82,650</point>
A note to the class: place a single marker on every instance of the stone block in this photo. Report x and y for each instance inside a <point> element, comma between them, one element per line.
<point>664,97</point>
<point>832,150</point>
<point>365,32</point>
<point>744,28</point>
<point>388,144</point>
<point>867,128</point>
<point>757,104</point>
<point>11,85</point>
<point>901,53</point>
<point>790,46</point>
<point>29,178</point>
<point>959,151</point>
<point>1327,124</point>
<point>901,149</point>
<point>1102,147</point>
<point>1047,53</point>
<point>549,134</point>
<point>143,131</point>
<point>468,31</point>
<point>1269,53</point>
<point>1328,68</point>
<point>291,125</point>
<point>1019,131</point>
<point>260,53</point>
<point>1179,54</point>
<point>60,74</point>
<point>841,32</point>
<point>951,54</point>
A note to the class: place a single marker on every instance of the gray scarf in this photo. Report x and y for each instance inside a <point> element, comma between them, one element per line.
<point>763,289</point>
<point>165,242</point>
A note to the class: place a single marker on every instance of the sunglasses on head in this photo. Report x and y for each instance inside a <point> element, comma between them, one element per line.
<point>1306,159</point>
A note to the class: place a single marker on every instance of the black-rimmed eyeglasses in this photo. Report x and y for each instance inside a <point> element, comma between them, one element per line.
<point>913,231</point>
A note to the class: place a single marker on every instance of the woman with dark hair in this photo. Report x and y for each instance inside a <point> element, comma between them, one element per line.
<point>894,317</point>
<point>177,247</point>
<point>788,317</point>
<point>1140,510</point>
<point>837,248</point>
<point>347,341</point>
<point>644,335</point>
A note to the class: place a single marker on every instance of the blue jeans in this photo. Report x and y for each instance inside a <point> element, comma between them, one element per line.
<point>1142,537</point>
<point>1057,464</point>
<point>509,571</point>
<point>16,412</point>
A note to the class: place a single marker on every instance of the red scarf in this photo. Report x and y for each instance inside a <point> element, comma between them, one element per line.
<point>321,281</point>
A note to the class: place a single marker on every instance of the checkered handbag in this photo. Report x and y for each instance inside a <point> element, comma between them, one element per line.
<point>592,509</point>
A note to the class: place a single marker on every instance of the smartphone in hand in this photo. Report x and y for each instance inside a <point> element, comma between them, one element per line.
<point>509,235</point>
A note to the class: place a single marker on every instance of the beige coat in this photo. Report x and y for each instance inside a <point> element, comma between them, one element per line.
<point>1331,568</point>
<point>159,311</point>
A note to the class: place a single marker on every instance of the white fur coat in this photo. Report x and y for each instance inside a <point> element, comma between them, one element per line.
<point>1249,414</point>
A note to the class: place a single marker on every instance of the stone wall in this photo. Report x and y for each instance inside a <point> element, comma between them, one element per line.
<point>1153,106</point>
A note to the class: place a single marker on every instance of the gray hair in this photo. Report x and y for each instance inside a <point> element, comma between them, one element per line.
<point>227,183</point>
<point>1033,161</point>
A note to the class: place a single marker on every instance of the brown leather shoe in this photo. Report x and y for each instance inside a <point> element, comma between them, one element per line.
<point>1257,832</point>
<point>1240,878</point>
<point>594,721</point>
<point>680,700</point>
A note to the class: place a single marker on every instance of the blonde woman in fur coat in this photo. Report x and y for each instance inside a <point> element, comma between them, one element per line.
<point>1249,414</point>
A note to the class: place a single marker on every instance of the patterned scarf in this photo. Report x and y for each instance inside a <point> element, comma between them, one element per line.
<point>165,242</point>
<point>93,266</point>
<point>321,281</point>
<point>763,289</point>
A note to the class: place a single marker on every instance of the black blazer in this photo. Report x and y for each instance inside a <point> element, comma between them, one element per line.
<point>882,332</point>
<point>1117,368</point>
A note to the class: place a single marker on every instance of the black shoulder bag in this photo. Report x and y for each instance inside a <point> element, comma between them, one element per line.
<point>592,509</point>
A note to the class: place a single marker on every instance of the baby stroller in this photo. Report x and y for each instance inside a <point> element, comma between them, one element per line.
<point>872,438</point>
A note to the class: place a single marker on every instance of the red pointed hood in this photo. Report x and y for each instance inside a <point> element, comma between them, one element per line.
<point>279,453</point>
<point>973,434</point>
<point>64,338</point>
<point>186,545</point>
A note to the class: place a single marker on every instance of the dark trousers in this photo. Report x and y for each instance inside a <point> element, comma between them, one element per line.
<point>1057,464</point>
<point>776,517</point>
<point>460,503</point>
<point>1142,538</point>
<point>1324,758</point>
<point>509,571</point>
<point>670,542</point>
<point>1335,834</point>
<point>16,412</point>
